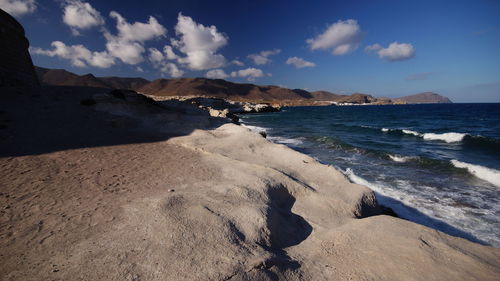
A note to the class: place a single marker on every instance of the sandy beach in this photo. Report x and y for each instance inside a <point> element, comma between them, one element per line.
<point>130,189</point>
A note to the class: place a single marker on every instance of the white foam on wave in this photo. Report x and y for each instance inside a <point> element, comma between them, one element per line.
<point>484,173</point>
<point>410,132</point>
<point>401,159</point>
<point>404,198</point>
<point>447,137</point>
<point>285,140</point>
<point>385,130</point>
<point>397,194</point>
<point>254,128</point>
<point>274,139</point>
<point>378,188</point>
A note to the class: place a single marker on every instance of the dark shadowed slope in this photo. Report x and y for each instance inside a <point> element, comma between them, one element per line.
<point>124,82</point>
<point>61,77</point>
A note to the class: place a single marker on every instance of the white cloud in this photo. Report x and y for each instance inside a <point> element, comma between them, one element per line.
<point>299,62</point>
<point>79,55</point>
<point>171,69</point>
<point>138,31</point>
<point>216,74</point>
<point>128,52</point>
<point>341,37</point>
<point>101,59</point>
<point>263,57</point>
<point>374,47</point>
<point>155,55</point>
<point>169,53</point>
<point>80,15</point>
<point>237,62</point>
<point>128,44</point>
<point>199,43</point>
<point>395,52</point>
<point>159,61</point>
<point>250,73</point>
<point>18,7</point>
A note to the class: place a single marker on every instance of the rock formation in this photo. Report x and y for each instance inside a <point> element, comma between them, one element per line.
<point>221,108</point>
<point>16,67</point>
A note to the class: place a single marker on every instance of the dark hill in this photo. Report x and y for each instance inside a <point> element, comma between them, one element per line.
<point>326,96</point>
<point>124,82</point>
<point>61,77</point>
<point>222,89</point>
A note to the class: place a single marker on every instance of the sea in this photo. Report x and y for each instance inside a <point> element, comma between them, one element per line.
<point>434,164</point>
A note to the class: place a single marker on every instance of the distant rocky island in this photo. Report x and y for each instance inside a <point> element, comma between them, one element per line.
<point>427,97</point>
<point>219,88</point>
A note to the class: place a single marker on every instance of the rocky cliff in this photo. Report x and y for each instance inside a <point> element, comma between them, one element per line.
<point>16,67</point>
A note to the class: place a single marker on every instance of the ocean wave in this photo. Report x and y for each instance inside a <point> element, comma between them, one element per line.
<point>254,128</point>
<point>446,137</point>
<point>416,205</point>
<point>486,143</point>
<point>410,132</point>
<point>359,180</point>
<point>274,139</point>
<point>335,143</point>
<point>401,159</point>
<point>285,140</point>
<point>484,173</point>
<point>491,144</point>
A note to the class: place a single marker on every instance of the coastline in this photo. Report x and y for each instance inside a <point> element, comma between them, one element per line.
<point>171,193</point>
<point>419,180</point>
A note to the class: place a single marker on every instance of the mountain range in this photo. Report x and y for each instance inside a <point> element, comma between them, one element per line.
<point>220,88</point>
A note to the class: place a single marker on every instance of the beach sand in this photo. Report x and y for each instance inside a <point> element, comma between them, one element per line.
<point>128,190</point>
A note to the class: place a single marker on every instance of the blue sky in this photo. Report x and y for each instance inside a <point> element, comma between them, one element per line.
<point>449,47</point>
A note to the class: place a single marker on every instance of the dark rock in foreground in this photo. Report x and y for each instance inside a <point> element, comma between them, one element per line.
<point>16,67</point>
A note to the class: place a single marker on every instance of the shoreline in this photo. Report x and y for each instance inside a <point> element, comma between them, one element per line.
<point>395,185</point>
<point>132,190</point>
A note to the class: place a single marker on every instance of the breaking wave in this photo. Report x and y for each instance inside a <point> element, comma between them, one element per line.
<point>446,137</point>
<point>401,159</point>
<point>254,128</point>
<point>484,173</point>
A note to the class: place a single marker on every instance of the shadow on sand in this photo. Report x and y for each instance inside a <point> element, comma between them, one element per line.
<point>54,118</point>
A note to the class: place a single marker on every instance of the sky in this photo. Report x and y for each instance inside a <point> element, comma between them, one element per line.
<point>382,48</point>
